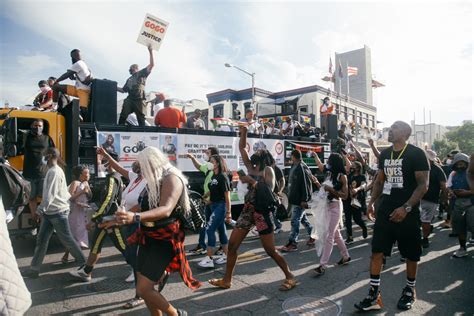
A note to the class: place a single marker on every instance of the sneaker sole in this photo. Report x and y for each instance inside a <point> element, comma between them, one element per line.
<point>370,308</point>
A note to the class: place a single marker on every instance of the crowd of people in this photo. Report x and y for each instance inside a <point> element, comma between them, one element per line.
<point>144,219</point>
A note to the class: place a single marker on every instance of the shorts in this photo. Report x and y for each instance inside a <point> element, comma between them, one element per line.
<point>407,234</point>
<point>246,220</point>
<point>264,223</point>
<point>154,257</point>
<point>462,216</point>
<point>83,95</point>
<point>427,211</point>
<point>116,234</point>
<point>36,188</point>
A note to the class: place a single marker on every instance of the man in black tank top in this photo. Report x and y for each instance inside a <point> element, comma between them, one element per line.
<point>401,182</point>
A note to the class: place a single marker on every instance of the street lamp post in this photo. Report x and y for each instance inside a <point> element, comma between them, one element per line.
<point>251,74</point>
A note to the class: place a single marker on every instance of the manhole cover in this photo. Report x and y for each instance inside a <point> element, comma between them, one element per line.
<point>108,285</point>
<point>305,305</point>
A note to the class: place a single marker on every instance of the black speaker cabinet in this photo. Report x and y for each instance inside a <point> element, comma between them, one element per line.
<point>104,101</point>
<point>329,125</point>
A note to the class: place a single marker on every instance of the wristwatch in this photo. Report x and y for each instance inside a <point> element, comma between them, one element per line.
<point>407,207</point>
<point>137,218</point>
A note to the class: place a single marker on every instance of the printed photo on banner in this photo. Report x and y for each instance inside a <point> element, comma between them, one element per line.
<point>152,31</point>
<point>169,146</point>
<point>111,143</point>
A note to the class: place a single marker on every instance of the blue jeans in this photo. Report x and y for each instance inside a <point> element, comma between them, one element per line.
<point>217,222</point>
<point>298,215</point>
<point>59,223</point>
<point>202,233</point>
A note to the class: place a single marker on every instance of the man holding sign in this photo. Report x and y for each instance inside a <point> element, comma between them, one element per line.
<point>135,86</point>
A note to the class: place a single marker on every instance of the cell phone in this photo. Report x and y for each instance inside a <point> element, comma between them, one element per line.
<point>241,173</point>
<point>108,218</point>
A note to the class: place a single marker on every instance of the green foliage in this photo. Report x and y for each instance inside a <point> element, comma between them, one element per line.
<point>443,147</point>
<point>463,136</point>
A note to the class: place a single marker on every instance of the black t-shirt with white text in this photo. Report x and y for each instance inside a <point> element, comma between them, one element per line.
<point>218,185</point>
<point>436,176</point>
<point>399,169</point>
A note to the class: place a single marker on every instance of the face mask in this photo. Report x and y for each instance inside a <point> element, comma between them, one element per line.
<point>328,166</point>
<point>449,161</point>
<point>45,89</point>
<point>44,161</point>
<point>205,157</point>
<point>37,130</point>
<point>136,169</point>
<point>210,166</point>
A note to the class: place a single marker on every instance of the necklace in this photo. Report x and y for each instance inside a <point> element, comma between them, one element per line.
<point>135,184</point>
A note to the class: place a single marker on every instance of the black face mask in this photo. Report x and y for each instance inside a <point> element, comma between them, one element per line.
<point>37,130</point>
<point>459,169</point>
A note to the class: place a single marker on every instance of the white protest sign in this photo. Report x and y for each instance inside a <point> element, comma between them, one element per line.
<point>152,32</point>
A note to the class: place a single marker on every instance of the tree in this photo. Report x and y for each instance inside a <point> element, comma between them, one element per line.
<point>443,147</point>
<point>463,136</point>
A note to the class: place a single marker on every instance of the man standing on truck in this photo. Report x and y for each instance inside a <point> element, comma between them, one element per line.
<point>82,89</point>
<point>135,87</point>
<point>34,166</point>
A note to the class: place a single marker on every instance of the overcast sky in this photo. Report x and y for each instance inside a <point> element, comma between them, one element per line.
<point>422,51</point>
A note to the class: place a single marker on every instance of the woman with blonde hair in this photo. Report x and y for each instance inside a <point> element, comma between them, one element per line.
<point>160,235</point>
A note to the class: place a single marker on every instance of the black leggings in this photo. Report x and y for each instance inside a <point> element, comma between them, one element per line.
<point>352,213</point>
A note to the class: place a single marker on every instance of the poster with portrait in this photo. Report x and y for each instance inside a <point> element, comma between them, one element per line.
<point>169,146</point>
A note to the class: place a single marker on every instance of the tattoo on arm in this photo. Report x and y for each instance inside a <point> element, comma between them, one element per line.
<point>422,180</point>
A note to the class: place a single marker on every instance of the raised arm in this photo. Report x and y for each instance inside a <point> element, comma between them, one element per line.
<point>152,61</point>
<point>358,154</point>
<point>318,162</point>
<point>196,163</point>
<point>117,167</point>
<point>243,150</point>
<point>374,149</point>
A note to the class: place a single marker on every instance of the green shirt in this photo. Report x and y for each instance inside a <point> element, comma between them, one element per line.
<point>203,168</point>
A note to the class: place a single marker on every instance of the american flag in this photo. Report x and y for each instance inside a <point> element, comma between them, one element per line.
<point>352,71</point>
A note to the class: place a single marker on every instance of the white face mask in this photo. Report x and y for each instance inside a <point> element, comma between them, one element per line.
<point>448,161</point>
<point>44,161</point>
<point>45,89</point>
<point>205,157</point>
<point>210,166</point>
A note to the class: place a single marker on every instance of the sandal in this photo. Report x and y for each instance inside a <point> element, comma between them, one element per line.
<point>288,284</point>
<point>134,302</point>
<point>163,280</point>
<point>220,283</point>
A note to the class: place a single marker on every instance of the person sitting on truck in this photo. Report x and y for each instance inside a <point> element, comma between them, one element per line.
<point>112,198</point>
<point>63,99</point>
<point>287,128</point>
<point>170,117</point>
<point>83,76</point>
<point>44,100</point>
<point>252,124</point>
<point>135,86</point>
<point>271,129</point>
<point>34,149</point>
<point>196,122</point>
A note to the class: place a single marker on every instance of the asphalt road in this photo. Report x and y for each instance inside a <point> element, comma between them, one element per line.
<point>445,286</point>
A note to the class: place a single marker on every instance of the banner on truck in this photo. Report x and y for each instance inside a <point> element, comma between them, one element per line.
<point>176,146</point>
<point>152,32</point>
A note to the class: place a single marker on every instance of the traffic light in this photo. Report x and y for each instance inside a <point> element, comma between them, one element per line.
<point>236,115</point>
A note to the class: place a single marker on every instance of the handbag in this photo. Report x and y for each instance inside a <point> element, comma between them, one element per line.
<point>266,201</point>
<point>355,203</point>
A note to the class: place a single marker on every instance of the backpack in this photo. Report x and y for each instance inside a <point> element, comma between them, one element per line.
<point>14,189</point>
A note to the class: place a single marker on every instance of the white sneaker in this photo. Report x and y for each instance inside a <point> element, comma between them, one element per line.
<point>253,233</point>
<point>81,274</point>
<point>130,278</point>
<point>207,262</point>
<point>222,260</point>
<point>460,253</point>
<point>277,230</point>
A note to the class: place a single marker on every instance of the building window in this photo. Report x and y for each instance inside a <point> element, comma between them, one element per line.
<point>219,110</point>
<point>304,109</point>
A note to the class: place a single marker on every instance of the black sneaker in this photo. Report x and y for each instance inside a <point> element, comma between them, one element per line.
<point>349,240</point>
<point>319,270</point>
<point>196,251</point>
<point>371,302</point>
<point>425,243</point>
<point>364,232</point>
<point>408,299</point>
<point>343,261</point>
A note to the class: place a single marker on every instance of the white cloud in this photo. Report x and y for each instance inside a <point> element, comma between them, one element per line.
<point>35,63</point>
